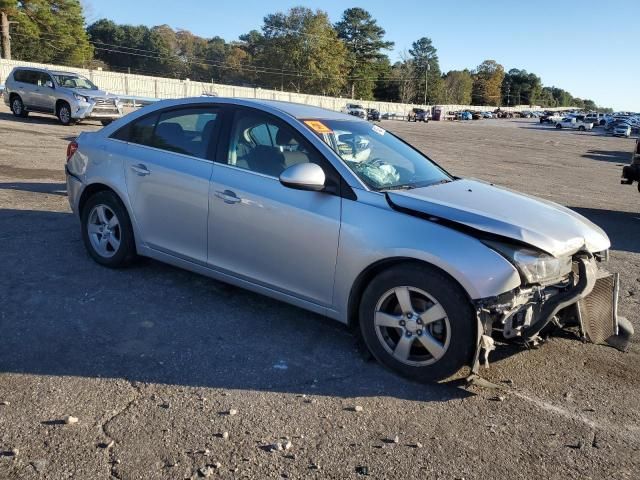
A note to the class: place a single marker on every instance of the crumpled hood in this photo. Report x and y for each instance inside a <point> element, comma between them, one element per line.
<point>545,225</point>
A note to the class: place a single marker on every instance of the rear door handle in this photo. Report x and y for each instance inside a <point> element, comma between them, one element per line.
<point>140,169</point>
<point>228,196</point>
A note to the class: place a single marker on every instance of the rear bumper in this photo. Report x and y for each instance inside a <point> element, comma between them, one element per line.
<point>74,190</point>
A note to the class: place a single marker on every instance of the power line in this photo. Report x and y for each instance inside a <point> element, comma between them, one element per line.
<point>118,49</point>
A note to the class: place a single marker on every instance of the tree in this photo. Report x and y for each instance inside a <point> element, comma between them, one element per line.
<point>425,59</point>
<point>458,86</point>
<point>48,31</point>
<point>300,50</point>
<point>521,88</point>
<point>487,83</point>
<point>363,38</point>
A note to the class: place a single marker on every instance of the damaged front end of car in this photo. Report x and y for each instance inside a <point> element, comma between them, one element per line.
<point>574,291</point>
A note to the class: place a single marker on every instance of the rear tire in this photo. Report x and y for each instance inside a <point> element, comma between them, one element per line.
<point>432,341</point>
<point>17,107</point>
<point>581,128</point>
<point>558,126</point>
<point>106,230</point>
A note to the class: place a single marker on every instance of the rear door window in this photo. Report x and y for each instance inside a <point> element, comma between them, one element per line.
<point>139,131</point>
<point>187,131</point>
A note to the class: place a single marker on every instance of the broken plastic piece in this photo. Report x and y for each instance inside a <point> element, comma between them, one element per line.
<point>488,345</point>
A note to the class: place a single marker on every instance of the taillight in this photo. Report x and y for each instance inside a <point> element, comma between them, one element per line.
<point>71,149</point>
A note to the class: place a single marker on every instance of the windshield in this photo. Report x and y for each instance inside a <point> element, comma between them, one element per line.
<point>74,81</point>
<point>381,160</point>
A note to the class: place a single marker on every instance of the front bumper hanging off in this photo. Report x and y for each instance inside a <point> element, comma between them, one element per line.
<point>591,299</point>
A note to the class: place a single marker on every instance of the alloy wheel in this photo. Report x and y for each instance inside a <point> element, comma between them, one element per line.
<point>412,326</point>
<point>104,231</point>
<point>17,106</point>
<point>65,115</point>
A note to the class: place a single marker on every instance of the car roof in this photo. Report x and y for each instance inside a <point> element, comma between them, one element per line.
<point>297,110</point>
<point>45,70</point>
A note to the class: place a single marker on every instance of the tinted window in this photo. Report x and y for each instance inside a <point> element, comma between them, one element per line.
<point>187,131</point>
<point>264,144</point>
<point>26,76</point>
<point>139,131</point>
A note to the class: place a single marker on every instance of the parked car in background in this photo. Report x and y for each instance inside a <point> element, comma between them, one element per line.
<point>574,123</point>
<point>67,95</point>
<point>622,130</point>
<point>373,115</point>
<point>487,115</point>
<point>355,109</point>
<point>464,115</point>
<point>427,265</point>
<point>418,115</point>
<point>631,172</point>
<point>550,117</point>
<point>595,118</point>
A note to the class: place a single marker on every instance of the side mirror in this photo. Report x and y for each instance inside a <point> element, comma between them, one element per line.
<point>304,176</point>
<point>48,83</point>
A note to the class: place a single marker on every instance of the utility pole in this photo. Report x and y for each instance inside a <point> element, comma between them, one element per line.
<point>6,38</point>
<point>426,81</point>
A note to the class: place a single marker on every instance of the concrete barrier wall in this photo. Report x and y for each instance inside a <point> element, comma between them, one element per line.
<point>158,87</point>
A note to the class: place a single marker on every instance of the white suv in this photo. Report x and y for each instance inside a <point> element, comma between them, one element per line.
<point>68,96</point>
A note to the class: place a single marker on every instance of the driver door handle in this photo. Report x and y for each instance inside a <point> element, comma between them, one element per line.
<point>228,196</point>
<point>140,169</point>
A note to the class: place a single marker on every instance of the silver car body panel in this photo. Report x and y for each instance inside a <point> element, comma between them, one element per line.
<point>302,247</point>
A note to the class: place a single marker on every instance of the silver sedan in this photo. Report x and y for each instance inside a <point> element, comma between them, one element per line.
<point>338,216</point>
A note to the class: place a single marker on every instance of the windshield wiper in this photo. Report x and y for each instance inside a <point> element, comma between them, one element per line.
<point>398,187</point>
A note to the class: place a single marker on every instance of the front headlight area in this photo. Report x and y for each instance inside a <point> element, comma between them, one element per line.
<point>81,98</point>
<point>534,266</point>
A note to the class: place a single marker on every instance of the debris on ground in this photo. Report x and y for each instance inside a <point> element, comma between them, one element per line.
<point>69,420</point>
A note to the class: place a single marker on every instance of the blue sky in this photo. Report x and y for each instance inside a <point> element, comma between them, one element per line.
<point>587,47</point>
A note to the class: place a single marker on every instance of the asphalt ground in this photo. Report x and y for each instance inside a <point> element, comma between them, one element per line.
<point>151,359</point>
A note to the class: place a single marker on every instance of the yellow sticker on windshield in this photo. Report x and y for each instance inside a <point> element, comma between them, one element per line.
<point>317,126</point>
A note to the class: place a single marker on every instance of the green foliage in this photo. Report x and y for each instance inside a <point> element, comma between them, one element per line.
<point>48,31</point>
<point>425,58</point>
<point>458,86</point>
<point>521,88</point>
<point>487,83</point>
<point>363,38</point>
<point>304,47</point>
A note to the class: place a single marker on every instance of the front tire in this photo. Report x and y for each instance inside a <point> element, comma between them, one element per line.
<point>418,322</point>
<point>581,128</point>
<point>64,114</point>
<point>106,230</point>
<point>558,126</point>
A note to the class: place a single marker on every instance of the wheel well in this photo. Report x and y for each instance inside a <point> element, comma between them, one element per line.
<point>60,102</point>
<point>90,191</point>
<point>372,271</point>
<point>12,96</point>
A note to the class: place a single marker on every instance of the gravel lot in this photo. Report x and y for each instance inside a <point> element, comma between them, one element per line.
<point>152,359</point>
